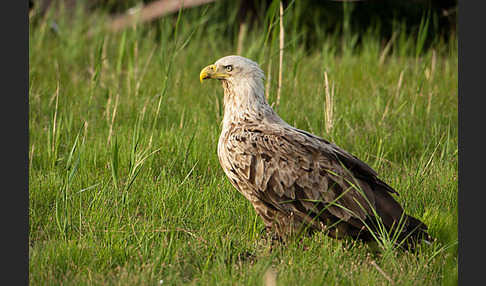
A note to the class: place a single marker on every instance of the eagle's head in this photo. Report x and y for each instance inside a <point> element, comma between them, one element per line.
<point>233,69</point>
<point>244,94</point>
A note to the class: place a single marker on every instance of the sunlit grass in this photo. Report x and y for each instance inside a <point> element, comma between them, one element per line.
<point>125,185</point>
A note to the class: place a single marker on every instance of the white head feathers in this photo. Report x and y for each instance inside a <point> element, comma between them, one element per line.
<point>241,67</point>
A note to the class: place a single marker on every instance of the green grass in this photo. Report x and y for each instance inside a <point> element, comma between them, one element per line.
<point>125,187</point>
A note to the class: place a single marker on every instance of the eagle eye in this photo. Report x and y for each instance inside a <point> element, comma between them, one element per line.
<point>228,68</point>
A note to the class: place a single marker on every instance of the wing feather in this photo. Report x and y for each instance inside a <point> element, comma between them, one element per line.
<point>294,171</point>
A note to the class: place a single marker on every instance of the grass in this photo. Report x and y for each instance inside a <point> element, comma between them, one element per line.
<point>125,186</point>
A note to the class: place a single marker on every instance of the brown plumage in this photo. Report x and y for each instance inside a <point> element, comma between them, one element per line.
<point>297,181</point>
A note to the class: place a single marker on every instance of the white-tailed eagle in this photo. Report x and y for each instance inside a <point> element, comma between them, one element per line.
<point>295,180</point>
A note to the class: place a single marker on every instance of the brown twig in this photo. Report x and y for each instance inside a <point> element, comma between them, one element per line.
<point>382,272</point>
<point>152,11</point>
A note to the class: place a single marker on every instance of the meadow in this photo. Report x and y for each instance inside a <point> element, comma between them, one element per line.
<point>125,186</point>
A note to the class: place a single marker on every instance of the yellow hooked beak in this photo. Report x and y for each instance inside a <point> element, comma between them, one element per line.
<point>211,71</point>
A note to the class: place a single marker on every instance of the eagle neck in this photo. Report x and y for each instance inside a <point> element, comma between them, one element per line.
<point>244,101</point>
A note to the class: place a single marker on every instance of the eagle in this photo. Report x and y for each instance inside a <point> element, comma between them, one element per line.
<point>296,181</point>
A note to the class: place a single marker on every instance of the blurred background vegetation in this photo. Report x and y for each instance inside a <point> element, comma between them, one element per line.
<point>385,18</point>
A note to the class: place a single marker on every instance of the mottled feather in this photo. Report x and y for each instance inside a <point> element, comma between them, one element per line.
<point>296,180</point>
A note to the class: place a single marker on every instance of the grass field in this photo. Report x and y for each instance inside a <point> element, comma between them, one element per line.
<point>125,187</point>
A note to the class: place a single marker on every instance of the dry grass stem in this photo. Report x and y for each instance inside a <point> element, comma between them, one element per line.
<point>270,277</point>
<point>144,70</point>
<point>31,156</point>
<point>113,118</point>
<point>269,78</point>
<point>329,107</point>
<point>387,48</point>
<point>397,94</point>
<point>432,65</point>
<point>241,37</point>
<point>181,123</point>
<point>281,55</point>
<point>429,102</point>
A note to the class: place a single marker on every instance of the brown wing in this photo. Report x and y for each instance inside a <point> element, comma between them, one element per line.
<point>295,172</point>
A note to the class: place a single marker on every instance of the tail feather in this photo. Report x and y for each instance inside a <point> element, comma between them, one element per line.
<point>413,231</point>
